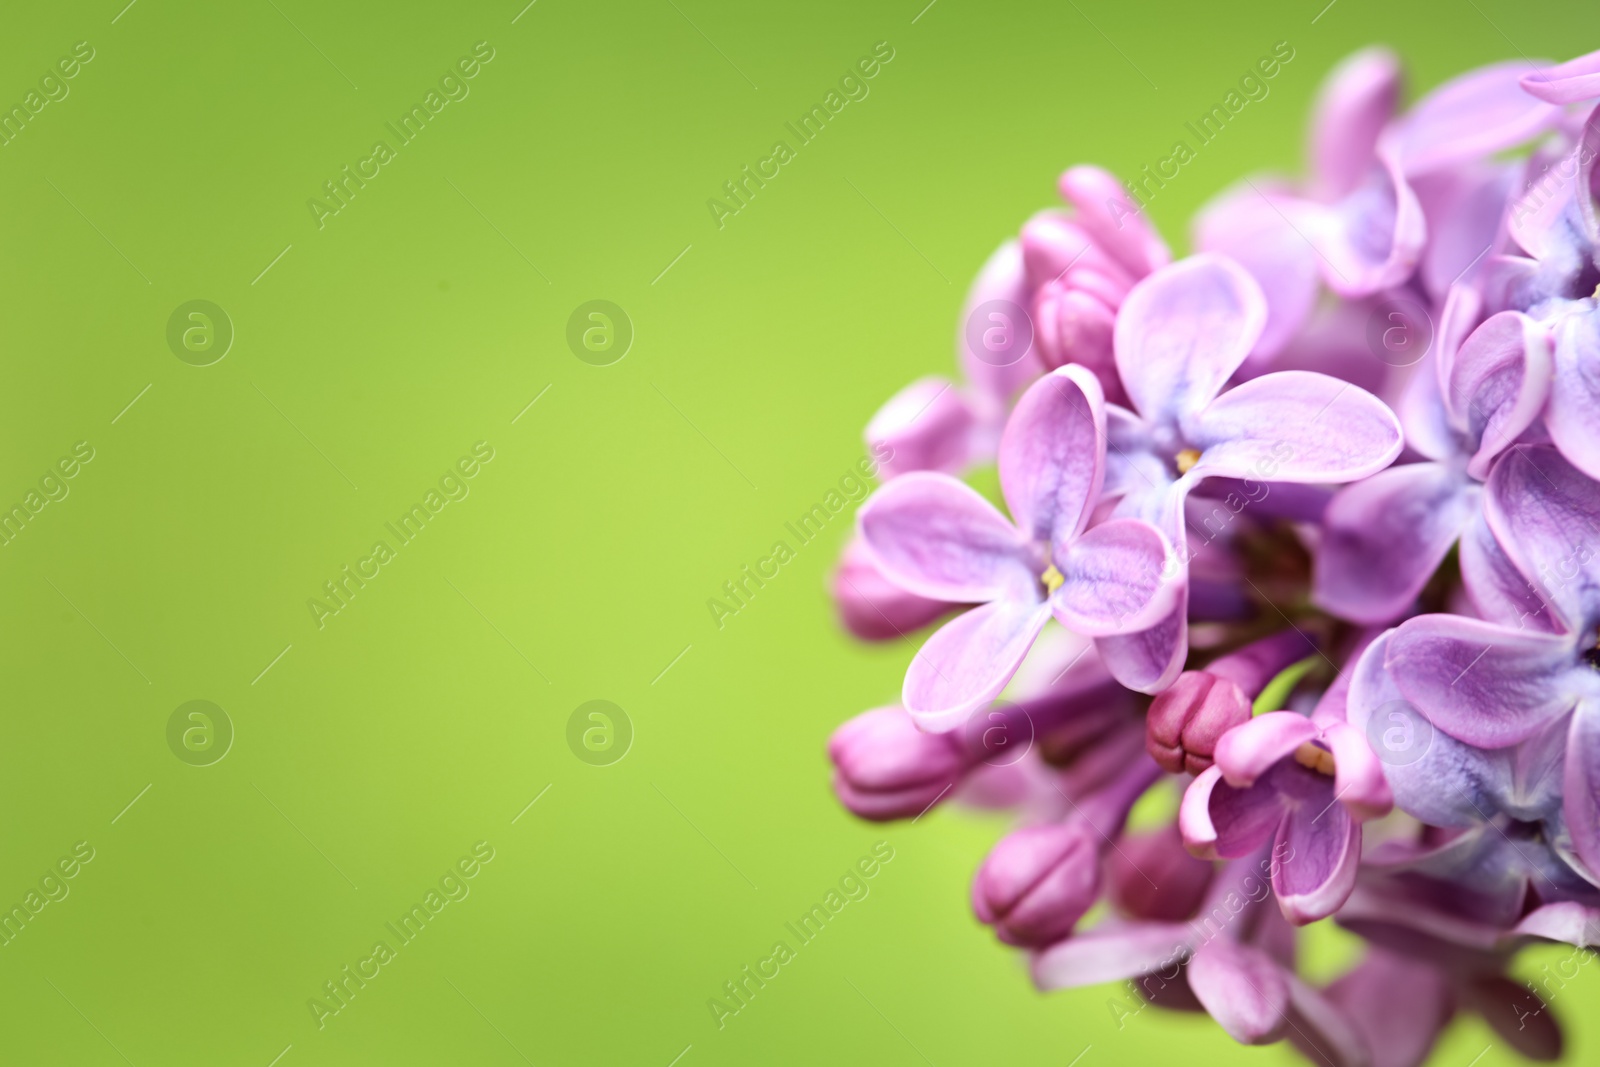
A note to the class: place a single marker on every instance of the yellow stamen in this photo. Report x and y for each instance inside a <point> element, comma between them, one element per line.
<point>1187,459</point>
<point>1314,758</point>
<point>1052,578</point>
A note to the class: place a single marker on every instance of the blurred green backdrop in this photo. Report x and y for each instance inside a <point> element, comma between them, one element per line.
<point>372,349</point>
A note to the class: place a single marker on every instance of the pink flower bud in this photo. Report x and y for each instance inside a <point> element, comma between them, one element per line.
<point>1038,882</point>
<point>1052,243</point>
<point>886,768</point>
<point>1143,862</point>
<point>1116,224</point>
<point>927,426</point>
<point>872,607</point>
<point>1074,326</point>
<point>1188,719</point>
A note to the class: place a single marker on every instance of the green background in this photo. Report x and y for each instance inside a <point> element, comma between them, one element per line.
<point>423,318</point>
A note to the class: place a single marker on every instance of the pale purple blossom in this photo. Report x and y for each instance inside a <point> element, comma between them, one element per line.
<point>1212,468</point>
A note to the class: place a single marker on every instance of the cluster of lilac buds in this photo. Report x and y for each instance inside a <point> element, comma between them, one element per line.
<point>1301,532</point>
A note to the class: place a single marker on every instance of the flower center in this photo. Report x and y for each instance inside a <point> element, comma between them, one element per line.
<point>1052,578</point>
<point>1315,758</point>
<point>1187,459</point>
<point>1591,656</point>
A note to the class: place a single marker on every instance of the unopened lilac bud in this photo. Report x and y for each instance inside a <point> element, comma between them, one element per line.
<point>1038,882</point>
<point>927,426</point>
<point>1074,326</point>
<point>1115,223</point>
<point>1152,876</point>
<point>1052,243</point>
<point>871,606</point>
<point>886,768</point>
<point>1187,720</point>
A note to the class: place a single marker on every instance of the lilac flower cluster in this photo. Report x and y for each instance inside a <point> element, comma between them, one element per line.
<point>1316,513</point>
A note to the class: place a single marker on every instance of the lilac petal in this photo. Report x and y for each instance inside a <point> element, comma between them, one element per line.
<point>968,661</point>
<point>1484,684</point>
<point>1384,537</point>
<point>1149,661</point>
<point>1544,514</point>
<point>1052,455</point>
<point>1355,103</point>
<point>939,538</point>
<point>1194,813</point>
<point>1321,850</point>
<point>1111,952</point>
<point>1516,1012</point>
<point>927,426</point>
<point>1572,82</point>
<point>1002,278</point>
<point>1400,1005</point>
<point>1567,921</point>
<point>1462,313</point>
<point>1540,218</point>
<point>1588,191</point>
<point>1463,210</point>
<point>1294,426</point>
<point>1117,226</point>
<point>1323,1031</point>
<point>1249,750</point>
<point>1472,117</point>
<point>1423,416</point>
<point>1183,331</point>
<point>1582,784</point>
<point>1496,587</point>
<point>1574,413</point>
<point>871,606</point>
<point>1333,341</point>
<point>1372,239</point>
<point>1498,382</point>
<point>1242,989</point>
<point>1449,784</point>
<point>1358,779</point>
<point>1117,580</point>
<point>1242,820</point>
<point>1244,225</point>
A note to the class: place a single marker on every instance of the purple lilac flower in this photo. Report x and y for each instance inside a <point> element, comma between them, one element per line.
<point>1181,335</point>
<point>1386,536</point>
<point>1303,784</point>
<point>939,538</point>
<point>1492,685</point>
<point>1200,493</point>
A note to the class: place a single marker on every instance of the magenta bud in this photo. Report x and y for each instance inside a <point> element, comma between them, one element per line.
<point>886,768</point>
<point>1143,862</point>
<point>927,426</point>
<point>871,606</point>
<point>1038,882</point>
<point>1052,244</point>
<point>1114,222</point>
<point>1073,326</point>
<point>1186,721</point>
